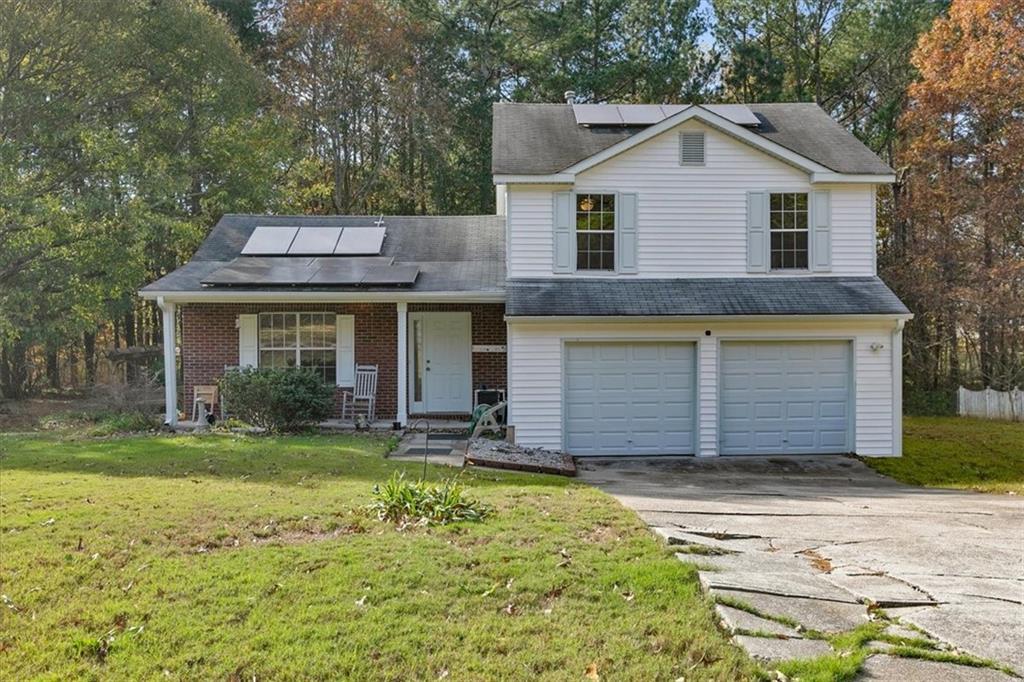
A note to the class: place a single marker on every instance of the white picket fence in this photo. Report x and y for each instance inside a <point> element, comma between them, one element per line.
<point>989,404</point>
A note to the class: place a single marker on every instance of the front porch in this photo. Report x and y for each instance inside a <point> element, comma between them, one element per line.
<point>431,357</point>
<point>415,424</point>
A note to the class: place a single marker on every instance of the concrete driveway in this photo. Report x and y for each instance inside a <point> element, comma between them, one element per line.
<point>814,538</point>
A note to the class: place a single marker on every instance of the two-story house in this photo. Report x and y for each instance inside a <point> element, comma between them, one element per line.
<point>683,280</point>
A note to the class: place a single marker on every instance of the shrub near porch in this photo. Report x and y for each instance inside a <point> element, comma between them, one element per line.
<point>235,557</point>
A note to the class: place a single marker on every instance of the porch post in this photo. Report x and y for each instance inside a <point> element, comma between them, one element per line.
<point>402,412</point>
<point>170,364</point>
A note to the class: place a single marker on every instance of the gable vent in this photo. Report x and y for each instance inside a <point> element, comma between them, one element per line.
<point>691,149</point>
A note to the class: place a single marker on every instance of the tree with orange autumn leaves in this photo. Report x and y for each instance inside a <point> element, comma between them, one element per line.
<point>955,248</point>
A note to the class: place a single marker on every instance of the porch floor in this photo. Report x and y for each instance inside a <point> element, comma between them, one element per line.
<point>436,425</point>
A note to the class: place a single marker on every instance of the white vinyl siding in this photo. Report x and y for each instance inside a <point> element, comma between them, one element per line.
<point>692,220</point>
<point>531,235</point>
<point>536,369</point>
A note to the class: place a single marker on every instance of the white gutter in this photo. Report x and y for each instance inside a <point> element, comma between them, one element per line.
<point>222,296</point>
<point>853,178</point>
<point>552,178</point>
<point>626,319</point>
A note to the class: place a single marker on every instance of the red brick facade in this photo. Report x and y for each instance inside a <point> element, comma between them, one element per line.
<point>209,341</point>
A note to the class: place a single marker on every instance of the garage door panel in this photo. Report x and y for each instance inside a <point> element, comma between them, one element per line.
<point>641,402</point>
<point>785,397</point>
<point>765,439</point>
<point>611,352</point>
<point>835,409</point>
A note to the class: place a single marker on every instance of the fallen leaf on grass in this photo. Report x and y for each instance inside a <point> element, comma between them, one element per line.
<point>592,672</point>
<point>361,602</point>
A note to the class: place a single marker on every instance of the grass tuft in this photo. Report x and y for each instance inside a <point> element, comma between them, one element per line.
<point>405,502</point>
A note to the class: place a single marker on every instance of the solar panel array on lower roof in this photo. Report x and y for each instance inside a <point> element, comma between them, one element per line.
<point>267,240</point>
<point>298,271</point>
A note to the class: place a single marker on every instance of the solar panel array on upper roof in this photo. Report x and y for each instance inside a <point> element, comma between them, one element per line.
<point>649,114</point>
<point>314,241</point>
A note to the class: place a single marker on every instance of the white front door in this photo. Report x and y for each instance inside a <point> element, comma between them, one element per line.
<point>447,367</point>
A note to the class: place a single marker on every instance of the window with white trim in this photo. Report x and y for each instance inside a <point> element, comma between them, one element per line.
<point>306,340</point>
<point>788,214</point>
<point>595,232</point>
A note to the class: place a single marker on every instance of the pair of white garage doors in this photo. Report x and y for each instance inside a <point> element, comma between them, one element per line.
<point>774,397</point>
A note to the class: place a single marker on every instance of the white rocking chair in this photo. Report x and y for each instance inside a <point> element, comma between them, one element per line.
<point>365,391</point>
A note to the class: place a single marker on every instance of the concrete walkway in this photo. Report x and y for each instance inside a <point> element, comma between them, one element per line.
<point>814,539</point>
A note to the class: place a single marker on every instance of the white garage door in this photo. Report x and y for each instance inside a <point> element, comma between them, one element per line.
<point>629,398</point>
<point>785,398</point>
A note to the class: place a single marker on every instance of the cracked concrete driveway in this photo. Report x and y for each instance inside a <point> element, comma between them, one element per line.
<point>819,536</point>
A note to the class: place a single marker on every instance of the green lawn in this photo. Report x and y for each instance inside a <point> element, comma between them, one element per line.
<point>228,557</point>
<point>958,452</point>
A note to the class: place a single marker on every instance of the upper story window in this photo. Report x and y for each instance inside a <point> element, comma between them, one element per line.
<point>299,340</point>
<point>595,232</point>
<point>788,215</point>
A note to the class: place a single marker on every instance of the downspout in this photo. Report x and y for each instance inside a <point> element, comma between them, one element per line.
<point>897,388</point>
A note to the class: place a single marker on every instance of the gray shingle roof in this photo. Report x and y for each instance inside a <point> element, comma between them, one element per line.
<point>537,139</point>
<point>701,297</point>
<point>454,253</point>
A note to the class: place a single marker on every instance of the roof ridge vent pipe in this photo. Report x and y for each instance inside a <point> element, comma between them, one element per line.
<point>570,97</point>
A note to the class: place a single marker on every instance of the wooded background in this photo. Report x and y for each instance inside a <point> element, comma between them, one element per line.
<point>127,127</point>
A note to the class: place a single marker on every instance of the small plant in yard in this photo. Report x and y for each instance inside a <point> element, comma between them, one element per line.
<point>124,422</point>
<point>402,501</point>
<point>277,399</point>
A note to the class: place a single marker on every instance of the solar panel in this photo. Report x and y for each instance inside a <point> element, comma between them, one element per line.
<point>315,240</point>
<point>266,240</point>
<point>338,271</point>
<point>597,114</point>
<point>649,114</point>
<point>740,114</point>
<point>357,241</point>
<point>641,114</point>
